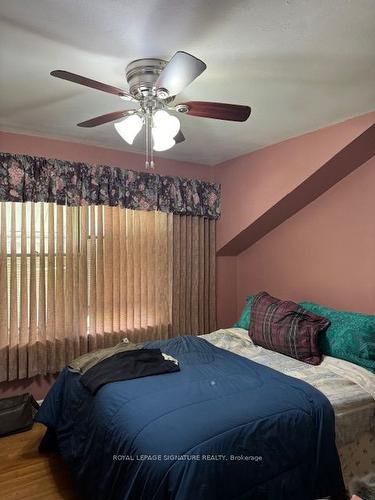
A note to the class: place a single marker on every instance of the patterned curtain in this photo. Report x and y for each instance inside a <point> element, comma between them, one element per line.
<point>30,178</point>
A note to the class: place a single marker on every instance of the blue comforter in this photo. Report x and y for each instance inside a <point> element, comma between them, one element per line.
<point>223,427</point>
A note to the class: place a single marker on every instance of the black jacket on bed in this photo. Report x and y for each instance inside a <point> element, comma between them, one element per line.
<point>127,365</point>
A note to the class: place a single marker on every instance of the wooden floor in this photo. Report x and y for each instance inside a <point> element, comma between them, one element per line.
<point>26,474</point>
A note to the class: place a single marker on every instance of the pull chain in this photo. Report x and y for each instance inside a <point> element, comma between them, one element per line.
<point>147,126</point>
<point>149,163</point>
<point>152,164</point>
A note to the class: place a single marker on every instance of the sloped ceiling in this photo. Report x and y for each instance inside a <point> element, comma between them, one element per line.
<point>300,64</point>
<point>352,156</point>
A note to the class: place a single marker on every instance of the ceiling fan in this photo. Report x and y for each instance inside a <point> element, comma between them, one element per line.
<point>154,84</point>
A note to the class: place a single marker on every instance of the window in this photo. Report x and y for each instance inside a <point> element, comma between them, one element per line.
<point>73,279</point>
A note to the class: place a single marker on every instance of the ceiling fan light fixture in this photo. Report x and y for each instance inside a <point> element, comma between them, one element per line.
<point>129,128</point>
<point>153,84</point>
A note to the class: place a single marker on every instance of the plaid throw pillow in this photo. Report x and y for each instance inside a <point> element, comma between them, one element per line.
<point>286,327</point>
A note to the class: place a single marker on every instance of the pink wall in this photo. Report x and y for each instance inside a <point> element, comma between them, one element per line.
<point>339,250</point>
<point>72,151</point>
<point>325,253</point>
<point>253,183</point>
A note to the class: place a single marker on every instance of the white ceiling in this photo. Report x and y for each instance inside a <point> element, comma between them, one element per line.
<point>300,64</point>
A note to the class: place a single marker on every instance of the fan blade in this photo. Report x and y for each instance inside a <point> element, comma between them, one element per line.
<point>179,137</point>
<point>82,80</point>
<point>181,70</point>
<point>217,110</point>
<point>109,117</point>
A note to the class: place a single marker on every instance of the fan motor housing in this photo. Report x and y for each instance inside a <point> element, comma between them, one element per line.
<point>142,74</point>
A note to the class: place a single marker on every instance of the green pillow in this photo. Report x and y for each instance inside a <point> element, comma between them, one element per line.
<point>244,321</point>
<point>351,336</point>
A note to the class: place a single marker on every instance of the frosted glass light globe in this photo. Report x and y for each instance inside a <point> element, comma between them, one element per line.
<point>161,141</point>
<point>129,127</point>
<point>163,121</point>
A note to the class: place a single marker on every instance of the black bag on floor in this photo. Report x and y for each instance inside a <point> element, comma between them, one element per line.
<point>17,414</point>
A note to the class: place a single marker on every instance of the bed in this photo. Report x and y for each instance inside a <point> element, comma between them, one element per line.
<point>349,388</point>
<point>223,427</point>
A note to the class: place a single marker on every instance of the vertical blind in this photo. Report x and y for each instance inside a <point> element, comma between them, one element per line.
<point>73,279</point>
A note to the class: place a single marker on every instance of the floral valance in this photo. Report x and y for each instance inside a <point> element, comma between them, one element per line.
<point>30,178</point>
